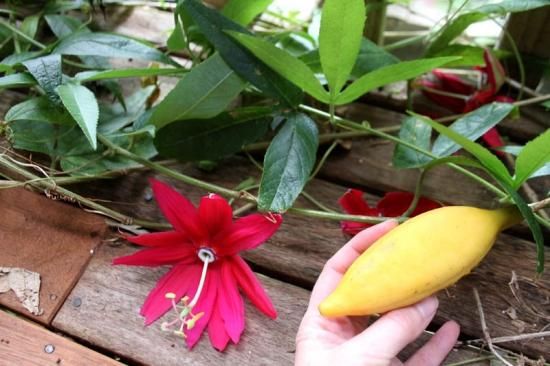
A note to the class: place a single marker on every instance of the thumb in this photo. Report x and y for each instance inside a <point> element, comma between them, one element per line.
<point>387,336</point>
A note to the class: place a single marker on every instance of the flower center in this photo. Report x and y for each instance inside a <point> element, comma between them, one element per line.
<point>185,316</point>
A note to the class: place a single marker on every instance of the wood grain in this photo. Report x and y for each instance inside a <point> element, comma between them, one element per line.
<point>24,343</point>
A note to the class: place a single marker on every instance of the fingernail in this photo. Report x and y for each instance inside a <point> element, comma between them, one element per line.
<point>428,306</point>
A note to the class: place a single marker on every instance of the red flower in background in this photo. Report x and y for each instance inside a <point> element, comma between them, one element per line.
<point>203,250</point>
<point>468,96</point>
<point>393,204</point>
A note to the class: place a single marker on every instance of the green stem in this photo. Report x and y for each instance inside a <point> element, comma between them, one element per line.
<point>356,126</point>
<point>340,217</point>
<point>417,194</point>
<point>323,159</point>
<point>314,201</point>
<point>21,34</point>
<point>404,42</point>
<point>331,115</point>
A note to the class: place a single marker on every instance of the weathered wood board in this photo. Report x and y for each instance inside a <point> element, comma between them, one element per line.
<point>47,237</point>
<point>23,343</point>
<point>300,248</point>
<point>108,299</point>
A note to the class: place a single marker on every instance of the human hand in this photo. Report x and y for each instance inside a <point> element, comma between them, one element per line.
<point>345,341</point>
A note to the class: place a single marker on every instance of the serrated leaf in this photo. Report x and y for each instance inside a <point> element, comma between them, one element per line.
<point>204,92</point>
<point>37,136</point>
<point>418,133</point>
<point>485,157</point>
<point>20,80</point>
<point>39,109</point>
<point>86,76</point>
<point>108,45</point>
<point>215,138</point>
<point>453,29</point>
<point>389,74</point>
<point>288,163</point>
<point>532,157</point>
<point>47,72</point>
<point>214,27</point>
<point>244,11</point>
<point>342,23</point>
<point>472,126</point>
<point>285,64</point>
<point>82,105</point>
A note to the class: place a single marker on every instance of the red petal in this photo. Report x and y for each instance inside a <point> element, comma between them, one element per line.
<point>492,139</point>
<point>353,203</point>
<point>478,99</point>
<point>165,238</point>
<point>218,336</point>
<point>230,303</point>
<point>247,233</point>
<point>179,211</point>
<point>452,83</point>
<point>179,254</point>
<point>454,104</point>
<point>215,214</point>
<point>394,204</point>
<point>179,280</point>
<point>206,304</point>
<point>250,285</point>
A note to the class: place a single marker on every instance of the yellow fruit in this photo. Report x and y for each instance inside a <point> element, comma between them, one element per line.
<point>418,258</point>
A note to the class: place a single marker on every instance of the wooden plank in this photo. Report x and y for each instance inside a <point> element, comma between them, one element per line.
<point>23,343</point>
<point>300,248</point>
<point>51,238</point>
<point>109,297</point>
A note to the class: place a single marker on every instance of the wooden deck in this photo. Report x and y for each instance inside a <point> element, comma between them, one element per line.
<point>97,321</point>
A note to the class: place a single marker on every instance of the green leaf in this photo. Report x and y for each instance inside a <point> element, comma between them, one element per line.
<point>37,136</point>
<point>245,11</point>
<point>371,57</point>
<point>285,64</point>
<point>512,6</point>
<point>82,105</point>
<point>204,92</point>
<point>418,133</point>
<point>29,26</point>
<point>390,74</point>
<point>47,72</point>
<point>453,29</point>
<point>20,80</point>
<point>531,221</point>
<point>114,117</point>
<point>215,138</point>
<point>485,157</point>
<point>342,24</point>
<point>177,40</point>
<point>214,26</point>
<point>39,109</point>
<point>288,163</point>
<point>472,126</point>
<point>61,25</point>
<point>531,158</point>
<point>86,76</point>
<point>471,55</point>
<point>108,45</point>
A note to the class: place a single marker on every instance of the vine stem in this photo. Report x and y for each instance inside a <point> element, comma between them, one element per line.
<point>356,126</point>
<point>21,34</point>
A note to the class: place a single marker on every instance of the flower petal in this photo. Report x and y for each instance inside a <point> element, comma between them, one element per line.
<point>164,238</point>
<point>248,233</point>
<point>179,280</point>
<point>215,214</point>
<point>352,227</point>
<point>453,83</point>
<point>492,139</point>
<point>250,285</point>
<point>151,257</point>
<point>395,204</point>
<point>496,76</point>
<point>218,335</point>
<point>206,304</point>
<point>179,211</point>
<point>353,203</point>
<point>230,303</point>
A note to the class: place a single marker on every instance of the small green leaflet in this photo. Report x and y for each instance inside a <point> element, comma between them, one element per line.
<point>532,158</point>
<point>47,72</point>
<point>21,80</point>
<point>204,92</point>
<point>342,24</point>
<point>418,133</point>
<point>39,109</point>
<point>244,11</point>
<point>82,105</point>
<point>288,163</point>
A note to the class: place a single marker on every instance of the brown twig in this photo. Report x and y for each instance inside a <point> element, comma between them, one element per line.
<point>485,330</point>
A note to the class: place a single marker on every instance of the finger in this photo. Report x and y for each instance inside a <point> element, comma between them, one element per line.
<point>396,329</point>
<point>437,348</point>
<point>339,263</point>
